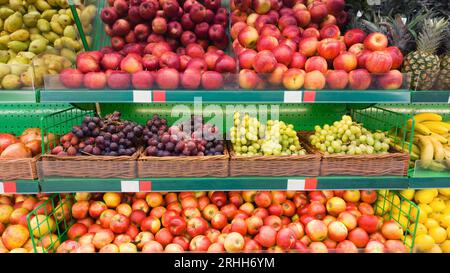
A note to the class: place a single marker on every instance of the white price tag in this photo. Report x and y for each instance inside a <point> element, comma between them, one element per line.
<point>1,188</point>
<point>296,184</point>
<point>293,96</point>
<point>129,186</point>
<point>142,96</point>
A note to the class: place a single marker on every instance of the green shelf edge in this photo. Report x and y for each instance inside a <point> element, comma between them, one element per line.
<point>53,185</point>
<point>20,187</point>
<point>440,96</point>
<point>21,96</point>
<point>227,96</point>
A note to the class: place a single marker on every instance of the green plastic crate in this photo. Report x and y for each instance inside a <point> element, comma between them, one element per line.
<point>393,206</point>
<point>49,222</point>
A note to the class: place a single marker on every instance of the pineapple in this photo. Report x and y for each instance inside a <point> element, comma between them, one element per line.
<point>443,82</point>
<point>423,64</point>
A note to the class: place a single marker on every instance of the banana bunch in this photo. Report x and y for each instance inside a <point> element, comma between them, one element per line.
<point>431,142</point>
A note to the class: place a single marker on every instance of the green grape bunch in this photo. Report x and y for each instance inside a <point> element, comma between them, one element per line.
<point>249,137</point>
<point>348,137</point>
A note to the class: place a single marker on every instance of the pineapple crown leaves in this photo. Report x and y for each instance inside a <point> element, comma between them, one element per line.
<point>432,35</point>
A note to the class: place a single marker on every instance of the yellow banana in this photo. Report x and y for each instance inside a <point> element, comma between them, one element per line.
<point>447,156</point>
<point>422,129</point>
<point>415,149</point>
<point>439,138</point>
<point>445,124</point>
<point>438,149</point>
<point>426,150</point>
<point>427,117</point>
<point>437,166</point>
<point>436,127</point>
<point>413,156</point>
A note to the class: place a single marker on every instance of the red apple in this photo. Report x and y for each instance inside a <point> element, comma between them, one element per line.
<point>151,224</point>
<point>379,62</point>
<point>346,246</point>
<point>267,236</point>
<point>94,80</point>
<point>345,61</point>
<point>163,236</point>
<point>392,230</point>
<point>196,226</point>
<point>286,238</point>
<point>308,46</point>
<point>152,247</point>
<point>329,48</point>
<point>303,17</point>
<point>335,206</point>
<point>168,78</point>
<point>273,221</point>
<point>330,31</point>
<point>354,36</point>
<point>311,32</point>
<point>337,231</point>
<point>76,231</point>
<point>396,55</point>
<point>80,209</point>
<point>119,223</point>
<point>316,230</point>
<point>318,12</point>
<point>359,237</point>
<point>298,61</point>
<point>376,41</point>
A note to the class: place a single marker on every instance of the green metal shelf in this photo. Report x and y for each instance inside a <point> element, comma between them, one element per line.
<point>19,186</point>
<point>226,96</point>
<point>21,96</point>
<point>53,185</point>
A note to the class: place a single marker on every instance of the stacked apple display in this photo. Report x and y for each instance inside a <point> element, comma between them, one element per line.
<point>299,45</point>
<point>169,44</point>
<point>348,137</point>
<point>249,137</point>
<point>247,221</point>
<point>190,138</point>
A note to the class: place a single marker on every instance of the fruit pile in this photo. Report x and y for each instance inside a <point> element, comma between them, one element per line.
<point>190,138</point>
<point>288,43</point>
<point>433,224</point>
<point>248,221</point>
<point>249,137</point>
<point>431,141</point>
<point>109,136</point>
<point>31,28</point>
<point>27,145</point>
<point>162,44</point>
<point>348,137</point>
<point>14,232</point>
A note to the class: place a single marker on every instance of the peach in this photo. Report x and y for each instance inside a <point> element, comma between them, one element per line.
<point>391,80</point>
<point>293,79</point>
<point>265,62</point>
<point>276,77</point>
<point>283,54</point>
<point>248,37</point>
<point>337,79</point>
<point>248,79</point>
<point>359,79</point>
<point>314,80</point>
<point>308,46</point>
<point>316,63</point>
<point>266,43</point>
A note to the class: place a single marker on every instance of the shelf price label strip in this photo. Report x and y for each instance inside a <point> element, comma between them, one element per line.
<point>155,96</point>
<point>135,186</point>
<point>8,187</point>
<point>301,184</point>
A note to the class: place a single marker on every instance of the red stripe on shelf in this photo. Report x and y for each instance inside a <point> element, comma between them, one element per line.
<point>9,187</point>
<point>309,96</point>
<point>145,186</point>
<point>310,183</point>
<point>159,96</point>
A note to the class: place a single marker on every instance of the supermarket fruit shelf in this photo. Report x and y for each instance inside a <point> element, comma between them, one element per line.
<point>21,96</point>
<point>226,96</point>
<point>19,186</point>
<point>442,96</point>
<point>59,185</point>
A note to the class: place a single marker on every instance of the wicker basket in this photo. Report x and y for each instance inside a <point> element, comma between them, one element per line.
<point>393,164</point>
<point>293,165</point>
<point>183,166</point>
<point>89,166</point>
<point>21,168</point>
